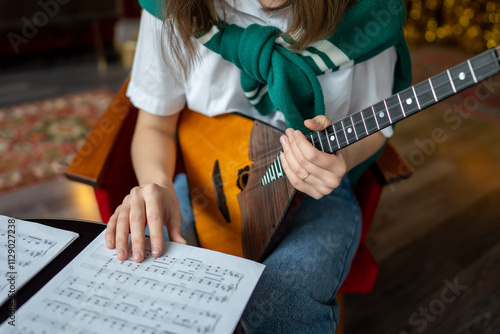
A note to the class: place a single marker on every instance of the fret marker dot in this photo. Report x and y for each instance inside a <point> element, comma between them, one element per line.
<point>409,101</point>
<point>461,76</point>
<point>349,130</point>
<point>381,114</point>
<point>332,138</point>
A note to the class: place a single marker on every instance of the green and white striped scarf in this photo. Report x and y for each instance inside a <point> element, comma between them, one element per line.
<point>276,77</point>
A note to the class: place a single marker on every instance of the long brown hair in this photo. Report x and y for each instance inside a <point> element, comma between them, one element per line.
<point>312,20</point>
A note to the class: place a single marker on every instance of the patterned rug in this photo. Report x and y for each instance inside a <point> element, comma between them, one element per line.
<point>38,140</point>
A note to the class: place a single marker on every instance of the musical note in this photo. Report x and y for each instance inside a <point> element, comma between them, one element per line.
<point>27,252</point>
<point>187,290</point>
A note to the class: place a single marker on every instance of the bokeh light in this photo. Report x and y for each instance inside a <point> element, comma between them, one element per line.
<point>472,25</point>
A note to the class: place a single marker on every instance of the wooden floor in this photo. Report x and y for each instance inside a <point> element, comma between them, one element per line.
<point>53,75</point>
<point>436,235</point>
<point>58,198</point>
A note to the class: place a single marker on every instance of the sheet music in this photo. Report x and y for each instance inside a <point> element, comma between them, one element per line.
<point>186,290</point>
<point>27,247</point>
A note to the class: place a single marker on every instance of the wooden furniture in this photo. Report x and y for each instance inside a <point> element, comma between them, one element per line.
<point>93,159</point>
<point>104,162</point>
<point>96,156</point>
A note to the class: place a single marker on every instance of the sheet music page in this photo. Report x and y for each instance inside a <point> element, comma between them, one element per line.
<point>27,248</point>
<point>186,290</point>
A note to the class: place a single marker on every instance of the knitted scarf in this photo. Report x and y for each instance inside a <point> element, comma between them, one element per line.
<point>276,77</point>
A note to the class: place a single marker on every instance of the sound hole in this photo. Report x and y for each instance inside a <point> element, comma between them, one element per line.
<point>241,183</point>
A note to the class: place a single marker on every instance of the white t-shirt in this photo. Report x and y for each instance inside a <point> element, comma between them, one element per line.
<point>213,86</point>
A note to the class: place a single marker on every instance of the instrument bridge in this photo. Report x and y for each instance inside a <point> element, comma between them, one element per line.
<point>274,172</point>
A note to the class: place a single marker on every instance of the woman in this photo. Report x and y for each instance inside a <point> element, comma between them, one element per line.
<point>363,41</point>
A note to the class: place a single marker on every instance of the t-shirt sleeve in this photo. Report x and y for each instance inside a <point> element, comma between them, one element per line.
<point>373,81</point>
<point>152,85</point>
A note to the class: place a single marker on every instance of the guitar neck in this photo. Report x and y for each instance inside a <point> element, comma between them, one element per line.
<point>406,103</point>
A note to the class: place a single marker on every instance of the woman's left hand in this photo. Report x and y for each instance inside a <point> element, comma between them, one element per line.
<point>308,169</point>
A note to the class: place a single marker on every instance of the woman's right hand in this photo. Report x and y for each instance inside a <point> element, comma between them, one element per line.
<point>151,204</point>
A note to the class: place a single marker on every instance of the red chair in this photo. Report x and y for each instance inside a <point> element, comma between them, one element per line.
<point>104,162</point>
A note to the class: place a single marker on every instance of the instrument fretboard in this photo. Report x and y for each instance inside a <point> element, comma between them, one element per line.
<point>399,106</point>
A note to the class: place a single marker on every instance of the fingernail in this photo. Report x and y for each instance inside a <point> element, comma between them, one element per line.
<point>137,255</point>
<point>282,156</point>
<point>156,251</point>
<point>120,252</point>
<point>289,132</point>
<point>314,120</point>
<point>284,140</point>
<point>296,134</point>
<point>109,243</point>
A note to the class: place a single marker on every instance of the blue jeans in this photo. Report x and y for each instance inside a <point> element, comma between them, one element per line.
<point>296,293</point>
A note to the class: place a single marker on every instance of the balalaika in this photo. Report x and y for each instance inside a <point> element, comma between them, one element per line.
<point>241,198</point>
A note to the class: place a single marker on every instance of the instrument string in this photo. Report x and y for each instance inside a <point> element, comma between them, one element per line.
<point>274,153</point>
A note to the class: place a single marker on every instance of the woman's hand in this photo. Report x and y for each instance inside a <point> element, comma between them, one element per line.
<point>308,169</point>
<point>151,204</point>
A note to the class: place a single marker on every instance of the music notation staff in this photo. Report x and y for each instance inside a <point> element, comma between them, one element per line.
<point>28,247</point>
<point>187,290</point>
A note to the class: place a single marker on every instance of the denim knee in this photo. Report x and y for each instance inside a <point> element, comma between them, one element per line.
<point>297,289</point>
